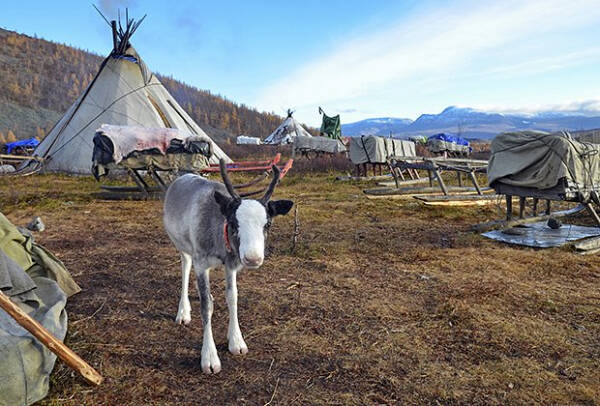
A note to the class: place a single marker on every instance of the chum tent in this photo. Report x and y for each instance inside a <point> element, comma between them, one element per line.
<point>285,133</point>
<point>330,126</point>
<point>123,92</point>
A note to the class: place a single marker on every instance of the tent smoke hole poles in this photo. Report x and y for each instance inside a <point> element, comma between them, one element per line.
<point>52,343</point>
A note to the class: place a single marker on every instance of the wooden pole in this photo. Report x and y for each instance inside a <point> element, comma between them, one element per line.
<point>52,343</point>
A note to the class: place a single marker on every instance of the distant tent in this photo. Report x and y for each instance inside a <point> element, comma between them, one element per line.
<point>331,126</point>
<point>124,92</point>
<point>285,133</point>
<point>246,140</point>
<point>22,144</point>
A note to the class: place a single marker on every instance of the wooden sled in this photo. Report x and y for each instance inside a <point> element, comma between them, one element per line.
<point>145,190</point>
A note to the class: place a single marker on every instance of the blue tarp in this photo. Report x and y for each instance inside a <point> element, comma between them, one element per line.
<point>31,142</point>
<point>449,138</point>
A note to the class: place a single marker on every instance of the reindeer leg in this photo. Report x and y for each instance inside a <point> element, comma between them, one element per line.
<point>184,313</point>
<point>237,345</point>
<point>210,358</point>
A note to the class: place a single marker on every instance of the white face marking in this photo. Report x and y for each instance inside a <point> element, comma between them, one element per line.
<point>252,218</point>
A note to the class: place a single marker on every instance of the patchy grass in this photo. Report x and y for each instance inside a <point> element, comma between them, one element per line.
<point>383,302</point>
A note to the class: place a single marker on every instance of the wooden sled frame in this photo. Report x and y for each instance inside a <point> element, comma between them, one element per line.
<point>440,194</point>
<point>145,191</point>
<point>434,167</point>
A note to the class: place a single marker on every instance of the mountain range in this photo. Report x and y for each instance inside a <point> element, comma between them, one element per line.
<point>472,123</point>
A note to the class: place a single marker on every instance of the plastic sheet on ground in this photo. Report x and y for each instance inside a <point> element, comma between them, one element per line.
<point>539,235</point>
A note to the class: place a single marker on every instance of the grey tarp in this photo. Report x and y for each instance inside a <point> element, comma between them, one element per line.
<point>169,162</point>
<point>372,149</point>
<point>319,144</point>
<point>41,291</point>
<point>437,146</point>
<point>534,159</point>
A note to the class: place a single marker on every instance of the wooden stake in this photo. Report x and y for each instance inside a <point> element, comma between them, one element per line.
<point>52,343</point>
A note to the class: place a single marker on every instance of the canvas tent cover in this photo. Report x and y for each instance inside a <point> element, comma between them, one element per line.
<point>285,133</point>
<point>448,142</point>
<point>373,149</point>
<point>124,92</point>
<point>540,160</point>
<point>319,144</point>
<point>39,284</point>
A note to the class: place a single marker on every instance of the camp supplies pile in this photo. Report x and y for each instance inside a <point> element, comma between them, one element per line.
<point>376,150</point>
<point>555,163</point>
<point>318,144</point>
<point>142,148</point>
<point>287,131</point>
<point>39,284</point>
<point>25,146</point>
<point>124,92</point>
<point>441,143</point>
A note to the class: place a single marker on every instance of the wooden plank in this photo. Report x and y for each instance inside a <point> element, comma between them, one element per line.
<point>404,183</point>
<point>460,203</point>
<point>362,178</point>
<point>448,198</point>
<point>491,225</point>
<point>418,190</point>
<point>47,339</point>
<point>411,196</point>
<point>588,244</point>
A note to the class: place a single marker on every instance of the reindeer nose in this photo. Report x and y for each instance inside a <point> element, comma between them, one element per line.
<point>252,260</point>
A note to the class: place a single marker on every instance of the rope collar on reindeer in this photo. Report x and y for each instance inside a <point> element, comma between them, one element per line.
<point>226,237</point>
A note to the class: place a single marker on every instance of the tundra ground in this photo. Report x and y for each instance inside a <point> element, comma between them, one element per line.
<point>381,302</point>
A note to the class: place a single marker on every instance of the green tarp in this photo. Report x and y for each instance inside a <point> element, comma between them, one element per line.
<point>331,126</point>
<point>39,284</point>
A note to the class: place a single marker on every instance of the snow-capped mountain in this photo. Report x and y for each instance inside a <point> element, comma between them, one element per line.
<point>472,123</point>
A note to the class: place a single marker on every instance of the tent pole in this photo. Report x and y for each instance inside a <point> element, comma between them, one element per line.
<point>113,24</point>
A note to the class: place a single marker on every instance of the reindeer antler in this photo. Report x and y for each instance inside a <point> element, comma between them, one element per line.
<point>227,181</point>
<point>272,185</point>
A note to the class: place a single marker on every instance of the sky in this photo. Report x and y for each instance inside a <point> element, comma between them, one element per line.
<point>357,58</point>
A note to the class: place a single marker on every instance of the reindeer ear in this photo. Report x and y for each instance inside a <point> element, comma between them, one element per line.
<point>223,202</point>
<point>279,207</point>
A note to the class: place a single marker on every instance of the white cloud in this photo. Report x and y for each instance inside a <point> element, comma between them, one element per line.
<point>429,46</point>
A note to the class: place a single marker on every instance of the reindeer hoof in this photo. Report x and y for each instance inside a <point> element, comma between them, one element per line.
<point>237,346</point>
<point>183,317</point>
<point>210,362</point>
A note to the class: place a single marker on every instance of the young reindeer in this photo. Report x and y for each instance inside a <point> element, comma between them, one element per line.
<point>212,226</point>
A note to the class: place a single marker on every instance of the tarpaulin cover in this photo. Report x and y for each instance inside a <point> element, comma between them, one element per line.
<point>319,144</point>
<point>539,235</point>
<point>447,142</point>
<point>541,160</point>
<point>39,284</point>
<point>592,136</point>
<point>331,126</point>
<point>373,149</point>
<point>31,142</point>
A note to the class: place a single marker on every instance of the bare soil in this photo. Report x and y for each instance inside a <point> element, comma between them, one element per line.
<point>381,302</point>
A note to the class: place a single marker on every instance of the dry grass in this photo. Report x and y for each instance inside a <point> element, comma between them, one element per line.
<point>383,302</point>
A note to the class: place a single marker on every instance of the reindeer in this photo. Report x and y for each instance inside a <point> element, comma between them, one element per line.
<point>212,226</point>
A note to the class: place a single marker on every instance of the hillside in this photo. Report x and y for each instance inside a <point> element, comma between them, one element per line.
<point>40,79</point>
<point>472,123</point>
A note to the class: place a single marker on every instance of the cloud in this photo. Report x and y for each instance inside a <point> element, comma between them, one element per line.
<point>590,107</point>
<point>109,7</point>
<point>428,46</point>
